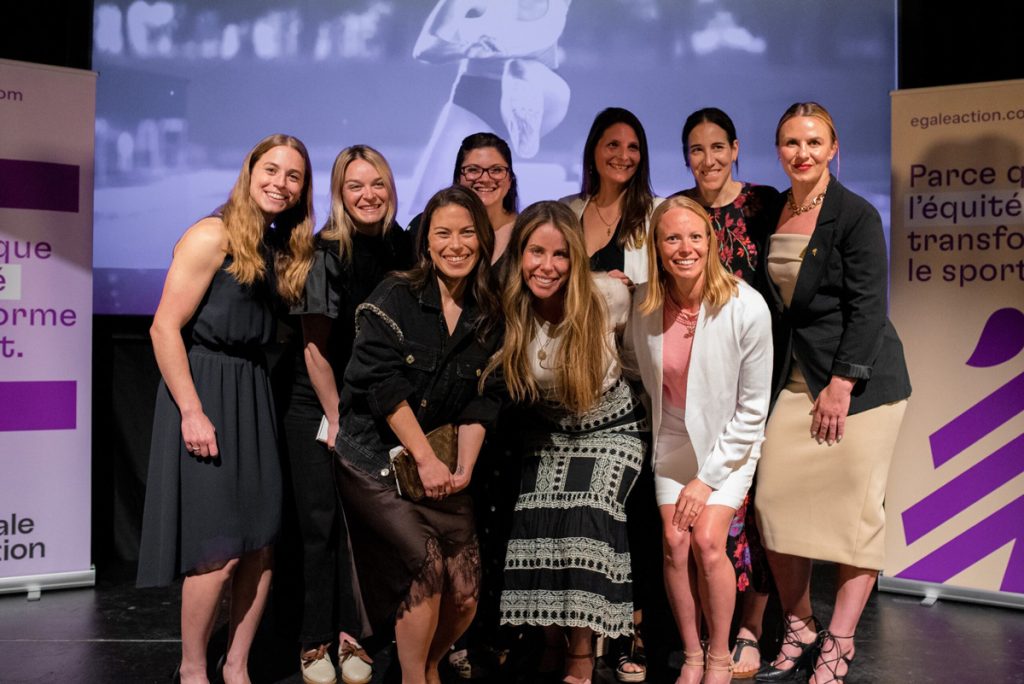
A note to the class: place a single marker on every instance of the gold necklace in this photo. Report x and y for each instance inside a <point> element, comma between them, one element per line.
<point>608,224</point>
<point>542,353</point>
<point>797,210</point>
<point>687,318</point>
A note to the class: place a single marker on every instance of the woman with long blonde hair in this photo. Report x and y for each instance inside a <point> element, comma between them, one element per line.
<point>213,496</point>
<point>703,346</point>
<point>568,566</point>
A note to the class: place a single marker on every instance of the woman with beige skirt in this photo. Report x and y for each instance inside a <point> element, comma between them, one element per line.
<point>839,374</point>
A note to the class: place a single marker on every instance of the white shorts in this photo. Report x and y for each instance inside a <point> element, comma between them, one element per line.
<point>675,464</point>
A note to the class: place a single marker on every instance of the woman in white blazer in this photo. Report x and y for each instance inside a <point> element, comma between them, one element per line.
<point>703,348</point>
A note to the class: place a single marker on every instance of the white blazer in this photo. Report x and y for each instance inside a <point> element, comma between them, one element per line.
<point>635,266</point>
<point>728,385</point>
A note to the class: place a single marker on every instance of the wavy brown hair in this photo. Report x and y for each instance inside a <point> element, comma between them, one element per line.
<point>480,280</point>
<point>291,238</point>
<point>340,225</point>
<point>583,352</point>
<point>719,284</point>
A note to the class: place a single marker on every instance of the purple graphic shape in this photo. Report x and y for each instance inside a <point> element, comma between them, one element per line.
<point>977,421</point>
<point>38,185</point>
<point>1001,339</point>
<point>971,486</point>
<point>41,405</point>
<point>963,551</point>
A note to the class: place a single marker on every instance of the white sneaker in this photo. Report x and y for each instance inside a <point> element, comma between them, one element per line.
<point>316,666</point>
<point>354,662</point>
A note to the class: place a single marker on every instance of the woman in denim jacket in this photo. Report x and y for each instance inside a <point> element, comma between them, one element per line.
<point>423,339</point>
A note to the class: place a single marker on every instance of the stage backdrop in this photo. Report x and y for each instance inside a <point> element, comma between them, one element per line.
<point>47,115</point>
<point>955,503</point>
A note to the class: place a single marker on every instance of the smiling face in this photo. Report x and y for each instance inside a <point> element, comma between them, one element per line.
<point>364,192</point>
<point>683,246</point>
<point>617,154</point>
<point>453,243</point>
<point>806,146</point>
<point>276,180</point>
<point>710,156</point>
<point>546,263</point>
<point>490,191</point>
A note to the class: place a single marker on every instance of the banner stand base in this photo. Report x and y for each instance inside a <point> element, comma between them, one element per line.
<point>933,591</point>
<point>32,585</point>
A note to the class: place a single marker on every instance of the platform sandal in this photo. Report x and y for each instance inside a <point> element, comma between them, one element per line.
<point>635,656</point>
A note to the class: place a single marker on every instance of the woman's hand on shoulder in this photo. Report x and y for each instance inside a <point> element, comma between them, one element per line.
<point>828,421</point>
<point>630,285</point>
<point>690,503</point>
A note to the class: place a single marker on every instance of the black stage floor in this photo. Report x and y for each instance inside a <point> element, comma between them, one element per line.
<point>116,633</point>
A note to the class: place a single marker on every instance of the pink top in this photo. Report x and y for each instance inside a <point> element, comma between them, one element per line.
<point>677,342</point>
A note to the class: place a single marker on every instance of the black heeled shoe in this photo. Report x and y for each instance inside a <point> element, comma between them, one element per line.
<point>801,662</point>
<point>827,642</point>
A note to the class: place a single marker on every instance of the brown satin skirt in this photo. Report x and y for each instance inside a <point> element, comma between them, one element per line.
<point>393,538</point>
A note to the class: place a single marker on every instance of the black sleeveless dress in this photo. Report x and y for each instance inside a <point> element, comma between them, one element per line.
<point>202,512</point>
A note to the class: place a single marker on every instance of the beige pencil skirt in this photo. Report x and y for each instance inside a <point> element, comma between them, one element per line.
<point>819,501</point>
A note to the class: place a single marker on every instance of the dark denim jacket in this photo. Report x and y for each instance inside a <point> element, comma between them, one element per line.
<point>403,352</point>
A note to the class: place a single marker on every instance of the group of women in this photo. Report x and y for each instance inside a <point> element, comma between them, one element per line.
<point>662,352</point>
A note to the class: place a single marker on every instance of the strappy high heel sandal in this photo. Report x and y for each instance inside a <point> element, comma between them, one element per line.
<point>830,655</point>
<point>718,663</point>
<point>570,679</point>
<point>692,659</point>
<point>801,661</point>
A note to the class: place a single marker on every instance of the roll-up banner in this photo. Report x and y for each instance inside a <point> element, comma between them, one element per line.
<point>47,124</point>
<point>955,500</point>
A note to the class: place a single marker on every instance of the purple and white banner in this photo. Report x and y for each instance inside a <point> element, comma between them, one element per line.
<point>955,501</point>
<point>47,115</point>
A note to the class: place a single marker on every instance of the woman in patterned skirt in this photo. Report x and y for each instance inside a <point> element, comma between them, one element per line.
<point>568,564</point>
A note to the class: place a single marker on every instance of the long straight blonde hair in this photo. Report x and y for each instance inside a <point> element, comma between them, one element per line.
<point>719,284</point>
<point>292,236</point>
<point>340,226</point>
<point>583,353</point>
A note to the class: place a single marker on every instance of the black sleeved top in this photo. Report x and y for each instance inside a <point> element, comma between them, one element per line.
<point>335,286</point>
<point>403,352</point>
<point>836,323</point>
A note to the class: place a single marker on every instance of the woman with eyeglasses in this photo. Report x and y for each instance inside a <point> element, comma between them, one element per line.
<point>484,165</point>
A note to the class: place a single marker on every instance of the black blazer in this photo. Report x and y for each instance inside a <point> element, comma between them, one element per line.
<point>836,323</point>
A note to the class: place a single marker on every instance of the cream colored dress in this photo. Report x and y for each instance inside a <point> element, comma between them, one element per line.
<point>814,500</point>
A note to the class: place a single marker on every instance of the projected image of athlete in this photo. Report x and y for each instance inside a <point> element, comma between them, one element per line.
<point>506,83</point>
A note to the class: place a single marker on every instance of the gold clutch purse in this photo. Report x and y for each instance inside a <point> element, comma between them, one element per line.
<point>444,440</point>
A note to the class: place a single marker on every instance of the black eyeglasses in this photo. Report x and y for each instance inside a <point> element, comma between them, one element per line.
<point>473,172</point>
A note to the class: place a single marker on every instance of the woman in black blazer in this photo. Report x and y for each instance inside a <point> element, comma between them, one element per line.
<point>839,375</point>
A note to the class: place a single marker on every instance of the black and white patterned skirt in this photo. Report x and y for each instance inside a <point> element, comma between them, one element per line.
<point>568,556</point>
